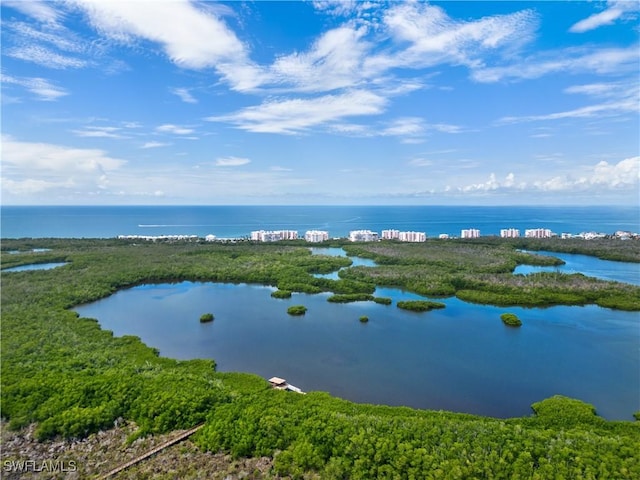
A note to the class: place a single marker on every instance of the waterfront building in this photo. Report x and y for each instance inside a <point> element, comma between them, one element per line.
<point>538,233</point>
<point>390,234</point>
<point>210,238</point>
<point>153,238</point>
<point>273,235</point>
<point>591,235</point>
<point>509,233</point>
<point>363,236</point>
<point>288,234</point>
<point>412,236</point>
<point>316,236</point>
<point>470,233</point>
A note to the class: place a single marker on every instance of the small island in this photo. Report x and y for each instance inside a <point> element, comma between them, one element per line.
<point>206,318</point>
<point>297,310</point>
<point>511,320</point>
<point>419,305</point>
<point>281,294</point>
<point>364,319</point>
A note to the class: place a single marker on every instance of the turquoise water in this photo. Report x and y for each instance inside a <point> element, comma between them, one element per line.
<point>461,358</point>
<point>239,221</point>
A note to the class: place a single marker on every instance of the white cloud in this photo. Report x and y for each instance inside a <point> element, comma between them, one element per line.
<point>155,145</point>
<point>624,173</point>
<point>596,89</point>
<point>40,10</point>
<point>42,157</point>
<point>99,132</point>
<point>30,186</point>
<point>184,95</point>
<point>420,162</point>
<point>334,61</point>
<point>609,108</point>
<point>408,126</point>
<point>602,177</point>
<point>615,10</point>
<point>191,35</point>
<point>297,115</point>
<point>54,35</point>
<point>572,61</point>
<point>45,57</point>
<point>277,168</point>
<point>40,87</point>
<point>231,162</point>
<point>436,38</point>
<point>619,99</point>
<point>175,129</point>
<point>491,184</point>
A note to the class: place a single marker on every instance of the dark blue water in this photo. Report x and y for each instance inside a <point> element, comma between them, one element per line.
<point>461,358</point>
<point>239,221</point>
<point>591,266</point>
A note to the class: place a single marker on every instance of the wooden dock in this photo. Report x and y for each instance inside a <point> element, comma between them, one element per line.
<point>281,384</point>
<point>155,450</point>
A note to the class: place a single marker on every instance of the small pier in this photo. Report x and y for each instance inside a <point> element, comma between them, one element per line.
<point>281,384</point>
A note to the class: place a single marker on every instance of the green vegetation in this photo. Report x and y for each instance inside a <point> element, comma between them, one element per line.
<point>297,310</point>
<point>281,294</point>
<point>71,378</point>
<point>383,300</point>
<point>206,318</point>
<point>338,439</point>
<point>350,297</point>
<point>364,319</point>
<point>511,319</point>
<point>603,248</point>
<point>482,272</point>
<point>419,305</point>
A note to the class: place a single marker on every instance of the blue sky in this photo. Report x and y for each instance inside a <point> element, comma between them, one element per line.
<point>184,102</point>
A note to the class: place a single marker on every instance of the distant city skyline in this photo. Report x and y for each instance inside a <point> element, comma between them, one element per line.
<point>320,102</point>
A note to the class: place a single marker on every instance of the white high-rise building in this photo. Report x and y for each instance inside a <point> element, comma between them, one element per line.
<point>412,237</point>
<point>509,233</point>
<point>538,233</point>
<point>316,236</point>
<point>390,234</point>
<point>288,234</point>
<point>470,233</point>
<point>363,236</point>
<point>273,235</point>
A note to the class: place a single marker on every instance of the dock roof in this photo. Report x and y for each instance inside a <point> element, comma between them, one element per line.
<point>277,380</point>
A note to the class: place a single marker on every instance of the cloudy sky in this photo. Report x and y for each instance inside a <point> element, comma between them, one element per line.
<point>186,102</point>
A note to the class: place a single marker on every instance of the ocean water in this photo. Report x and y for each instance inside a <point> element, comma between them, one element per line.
<point>239,221</point>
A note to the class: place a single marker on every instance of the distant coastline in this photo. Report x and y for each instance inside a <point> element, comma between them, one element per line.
<point>238,221</point>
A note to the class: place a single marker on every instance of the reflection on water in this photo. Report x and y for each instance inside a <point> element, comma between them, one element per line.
<point>339,252</point>
<point>461,358</point>
<point>34,266</point>
<point>590,266</point>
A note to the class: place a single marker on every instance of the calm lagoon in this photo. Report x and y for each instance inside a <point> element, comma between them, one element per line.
<point>461,358</point>
<point>591,266</point>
